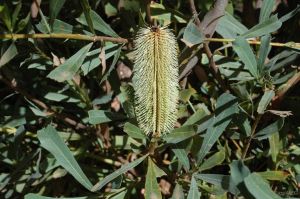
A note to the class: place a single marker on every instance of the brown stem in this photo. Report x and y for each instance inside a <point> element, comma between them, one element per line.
<point>207,50</point>
<point>148,12</point>
<point>64,36</point>
<point>251,136</point>
<point>282,92</point>
<point>194,12</point>
<point>14,86</point>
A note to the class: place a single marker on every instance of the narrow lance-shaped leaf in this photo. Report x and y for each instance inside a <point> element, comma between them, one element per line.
<point>8,55</point>
<point>134,131</point>
<point>268,26</point>
<point>194,191</point>
<point>214,160</point>
<point>266,10</point>
<point>87,10</point>
<point>115,174</point>
<point>263,53</point>
<point>265,100</point>
<point>51,141</point>
<point>192,35</point>
<point>245,53</point>
<point>155,80</point>
<point>259,188</point>
<point>55,6</point>
<point>67,70</point>
<point>227,106</point>
<point>151,186</point>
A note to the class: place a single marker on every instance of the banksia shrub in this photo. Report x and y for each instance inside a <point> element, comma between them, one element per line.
<point>155,79</point>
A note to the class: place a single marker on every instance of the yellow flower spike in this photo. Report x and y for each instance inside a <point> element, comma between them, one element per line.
<point>155,79</point>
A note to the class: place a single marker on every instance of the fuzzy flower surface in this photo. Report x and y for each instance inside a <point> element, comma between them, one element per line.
<point>155,79</point>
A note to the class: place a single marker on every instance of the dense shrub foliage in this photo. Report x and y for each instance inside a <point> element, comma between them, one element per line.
<point>68,108</point>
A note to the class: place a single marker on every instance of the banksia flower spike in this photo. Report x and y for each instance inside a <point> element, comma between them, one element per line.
<point>155,79</point>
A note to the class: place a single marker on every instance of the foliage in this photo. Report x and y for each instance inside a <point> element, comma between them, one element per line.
<point>68,124</point>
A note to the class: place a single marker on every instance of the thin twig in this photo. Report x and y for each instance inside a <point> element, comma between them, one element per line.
<point>207,50</point>
<point>14,86</point>
<point>148,12</point>
<point>194,12</point>
<point>64,36</point>
<point>124,40</point>
<point>256,122</point>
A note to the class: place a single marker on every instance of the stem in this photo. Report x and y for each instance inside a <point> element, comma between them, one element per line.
<point>251,136</point>
<point>64,36</point>
<point>124,40</point>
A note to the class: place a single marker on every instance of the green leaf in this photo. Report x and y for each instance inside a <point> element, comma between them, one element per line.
<point>22,23</point>
<point>274,142</point>
<point>185,94</point>
<point>36,196</point>
<point>259,188</point>
<point>67,70</point>
<point>230,27</point>
<point>180,134</point>
<point>178,192</point>
<point>214,160</point>
<point>167,15</point>
<point>219,180</point>
<point>98,23</point>
<point>134,131</point>
<point>274,175</point>
<point>245,53</point>
<point>115,174</point>
<point>238,172</point>
<point>9,54</point>
<point>194,191</point>
<point>192,35</point>
<point>289,15</point>
<point>270,25</point>
<point>54,8</point>
<point>197,116</point>
<point>151,186</point>
<point>181,154</point>
<point>87,14</point>
<point>266,10</point>
<point>51,141</point>
<point>265,101</point>
<point>112,66</point>
<point>270,129</point>
<point>101,116</point>
<point>58,26</point>
<point>15,14</point>
<point>226,107</point>
<point>5,16</point>
<point>263,53</point>
<point>57,97</point>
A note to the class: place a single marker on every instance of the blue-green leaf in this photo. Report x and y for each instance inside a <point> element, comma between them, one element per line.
<point>36,196</point>
<point>151,185</point>
<point>180,134</point>
<point>268,26</point>
<point>51,141</point>
<point>263,53</point>
<point>192,35</point>
<point>98,23</point>
<point>194,191</point>
<point>55,6</point>
<point>8,55</point>
<point>266,10</point>
<point>230,27</point>
<point>67,70</point>
<point>214,160</point>
<point>134,131</point>
<point>265,100</point>
<point>245,53</point>
<point>259,188</point>
<point>269,130</point>
<point>101,116</point>
<point>115,174</point>
<point>226,107</point>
